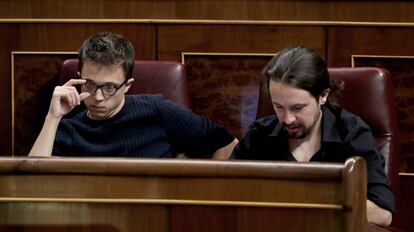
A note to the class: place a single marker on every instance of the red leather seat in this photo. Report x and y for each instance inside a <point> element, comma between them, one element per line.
<point>368,93</point>
<point>151,76</point>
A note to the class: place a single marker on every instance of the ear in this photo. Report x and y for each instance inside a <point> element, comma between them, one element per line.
<point>128,84</point>
<point>324,96</point>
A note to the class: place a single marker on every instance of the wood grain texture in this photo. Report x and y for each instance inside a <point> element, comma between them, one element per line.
<point>375,11</point>
<point>180,195</point>
<point>175,39</point>
<point>225,87</point>
<point>343,42</point>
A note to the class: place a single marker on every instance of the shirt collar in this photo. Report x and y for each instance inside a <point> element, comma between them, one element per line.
<point>278,129</point>
<point>330,133</point>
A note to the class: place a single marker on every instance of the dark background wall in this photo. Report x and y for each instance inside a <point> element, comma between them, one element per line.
<point>213,39</point>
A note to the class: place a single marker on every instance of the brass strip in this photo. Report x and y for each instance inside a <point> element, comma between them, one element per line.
<point>43,52</point>
<point>177,202</point>
<point>406,174</point>
<point>205,21</point>
<point>377,56</point>
<point>12,101</point>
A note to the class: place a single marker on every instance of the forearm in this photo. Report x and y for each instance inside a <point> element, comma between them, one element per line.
<point>225,152</point>
<point>378,215</point>
<point>44,142</point>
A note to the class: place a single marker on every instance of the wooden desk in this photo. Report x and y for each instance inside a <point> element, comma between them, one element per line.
<point>91,194</point>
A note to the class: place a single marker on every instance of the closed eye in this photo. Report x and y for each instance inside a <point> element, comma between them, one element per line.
<point>277,106</point>
<point>297,108</point>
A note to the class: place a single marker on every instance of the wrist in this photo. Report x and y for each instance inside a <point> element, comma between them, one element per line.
<point>52,118</point>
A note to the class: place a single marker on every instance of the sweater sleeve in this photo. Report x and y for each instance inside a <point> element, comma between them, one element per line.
<point>191,133</point>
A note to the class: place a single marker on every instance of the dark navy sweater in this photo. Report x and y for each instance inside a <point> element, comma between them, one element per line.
<point>146,126</point>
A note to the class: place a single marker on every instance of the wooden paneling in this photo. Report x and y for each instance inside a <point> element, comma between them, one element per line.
<point>224,87</point>
<point>374,11</point>
<point>7,44</point>
<point>405,211</point>
<point>166,41</point>
<point>342,42</point>
<point>175,39</point>
<point>181,195</point>
<point>68,217</point>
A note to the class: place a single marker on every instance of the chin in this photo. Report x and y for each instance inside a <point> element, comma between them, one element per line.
<point>98,116</point>
<point>299,135</point>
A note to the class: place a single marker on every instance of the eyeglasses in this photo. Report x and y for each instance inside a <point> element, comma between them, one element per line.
<point>107,89</point>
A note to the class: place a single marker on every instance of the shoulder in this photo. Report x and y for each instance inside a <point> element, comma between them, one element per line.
<point>143,101</point>
<point>346,127</point>
<point>68,120</point>
<point>265,125</point>
<point>351,121</point>
<point>143,98</point>
<point>148,99</point>
<point>266,121</point>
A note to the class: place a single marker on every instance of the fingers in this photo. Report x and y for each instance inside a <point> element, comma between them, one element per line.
<point>84,95</point>
<point>73,82</point>
<point>67,94</point>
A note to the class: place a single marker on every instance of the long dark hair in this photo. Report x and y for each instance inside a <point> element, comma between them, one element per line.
<point>305,69</point>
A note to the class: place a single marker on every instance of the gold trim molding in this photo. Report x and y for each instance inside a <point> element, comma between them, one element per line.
<point>410,174</point>
<point>176,202</point>
<point>377,56</point>
<point>206,21</point>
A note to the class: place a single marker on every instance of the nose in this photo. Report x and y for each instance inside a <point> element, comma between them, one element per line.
<point>98,95</point>
<point>287,117</point>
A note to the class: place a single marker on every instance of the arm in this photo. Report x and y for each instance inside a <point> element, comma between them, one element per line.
<point>380,199</point>
<point>225,152</point>
<point>64,99</point>
<point>378,215</point>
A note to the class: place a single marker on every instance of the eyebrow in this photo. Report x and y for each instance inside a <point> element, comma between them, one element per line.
<point>106,83</point>
<point>294,105</point>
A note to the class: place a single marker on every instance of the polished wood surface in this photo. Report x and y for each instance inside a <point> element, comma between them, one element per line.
<point>180,195</point>
<point>334,10</point>
<point>164,29</point>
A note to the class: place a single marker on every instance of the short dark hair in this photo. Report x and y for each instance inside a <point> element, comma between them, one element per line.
<point>305,69</point>
<point>108,48</point>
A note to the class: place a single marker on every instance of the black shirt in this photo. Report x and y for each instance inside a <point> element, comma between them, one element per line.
<point>343,135</point>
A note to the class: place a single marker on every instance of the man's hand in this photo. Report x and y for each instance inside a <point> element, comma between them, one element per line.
<point>66,97</point>
<point>378,215</point>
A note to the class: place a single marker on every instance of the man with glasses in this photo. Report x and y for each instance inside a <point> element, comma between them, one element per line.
<point>115,124</point>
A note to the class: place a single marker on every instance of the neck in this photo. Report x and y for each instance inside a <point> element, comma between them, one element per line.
<point>110,114</point>
<point>303,149</point>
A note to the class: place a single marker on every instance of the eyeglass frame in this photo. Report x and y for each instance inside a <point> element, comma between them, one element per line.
<point>100,87</point>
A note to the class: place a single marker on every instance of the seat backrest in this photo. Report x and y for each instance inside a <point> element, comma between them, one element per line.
<point>151,76</point>
<point>368,93</point>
